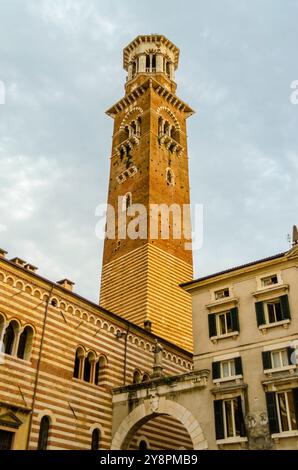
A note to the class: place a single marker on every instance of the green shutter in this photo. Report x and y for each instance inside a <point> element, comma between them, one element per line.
<point>238,366</point>
<point>239,418</point>
<point>219,419</point>
<point>266,357</point>
<point>285,307</point>
<point>272,412</point>
<point>215,370</point>
<point>295,395</point>
<point>260,313</point>
<point>235,319</point>
<point>212,325</point>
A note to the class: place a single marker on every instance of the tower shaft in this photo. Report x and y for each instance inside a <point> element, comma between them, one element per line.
<point>151,252</point>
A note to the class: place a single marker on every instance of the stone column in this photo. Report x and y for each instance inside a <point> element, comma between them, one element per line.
<point>159,62</point>
<point>142,63</point>
<point>130,71</point>
<point>172,71</point>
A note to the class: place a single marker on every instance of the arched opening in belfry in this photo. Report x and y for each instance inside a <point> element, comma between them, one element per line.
<point>161,433</point>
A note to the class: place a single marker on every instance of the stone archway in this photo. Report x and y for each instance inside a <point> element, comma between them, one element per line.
<point>158,406</point>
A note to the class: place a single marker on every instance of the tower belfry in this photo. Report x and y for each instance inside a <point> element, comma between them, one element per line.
<point>149,167</point>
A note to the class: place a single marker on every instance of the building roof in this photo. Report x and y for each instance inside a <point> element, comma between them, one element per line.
<point>235,268</point>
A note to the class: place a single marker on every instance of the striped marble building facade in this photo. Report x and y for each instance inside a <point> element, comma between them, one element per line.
<point>61,357</point>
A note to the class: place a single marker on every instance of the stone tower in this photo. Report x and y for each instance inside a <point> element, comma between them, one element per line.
<point>149,166</point>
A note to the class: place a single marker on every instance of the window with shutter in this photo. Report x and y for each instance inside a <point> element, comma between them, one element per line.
<point>219,419</point>
<point>239,419</point>
<point>212,325</point>
<point>272,412</point>
<point>235,319</point>
<point>295,397</point>
<point>260,313</point>
<point>215,370</point>
<point>238,366</point>
<point>266,357</point>
<point>285,307</point>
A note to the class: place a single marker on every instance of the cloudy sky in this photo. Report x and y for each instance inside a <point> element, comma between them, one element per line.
<point>61,64</point>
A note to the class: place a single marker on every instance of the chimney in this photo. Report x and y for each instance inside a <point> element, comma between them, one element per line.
<point>19,261</point>
<point>31,268</point>
<point>67,284</point>
<point>3,253</point>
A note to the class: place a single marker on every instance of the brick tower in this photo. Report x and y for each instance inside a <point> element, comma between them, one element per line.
<point>149,166</point>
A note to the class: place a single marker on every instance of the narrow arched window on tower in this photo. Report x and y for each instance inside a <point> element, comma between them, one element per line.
<point>95,443</point>
<point>168,69</point>
<point>170,177</point>
<point>133,128</point>
<point>153,63</point>
<point>43,433</point>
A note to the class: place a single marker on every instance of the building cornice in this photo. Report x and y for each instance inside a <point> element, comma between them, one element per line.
<point>130,98</point>
<point>236,271</point>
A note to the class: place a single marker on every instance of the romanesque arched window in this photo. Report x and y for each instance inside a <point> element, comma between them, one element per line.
<point>25,343</point>
<point>95,442</point>
<point>10,337</point>
<point>138,123</point>
<point>146,377</point>
<point>43,433</point>
<point>87,369</point>
<point>167,128</point>
<point>79,363</point>
<point>133,127</point>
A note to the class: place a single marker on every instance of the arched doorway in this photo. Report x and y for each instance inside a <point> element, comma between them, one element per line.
<point>161,433</point>
<point>154,408</point>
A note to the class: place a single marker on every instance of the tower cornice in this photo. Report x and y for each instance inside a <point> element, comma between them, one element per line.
<point>130,98</point>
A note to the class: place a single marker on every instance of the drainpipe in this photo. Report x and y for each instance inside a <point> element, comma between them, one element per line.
<point>38,364</point>
<point>125,356</point>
